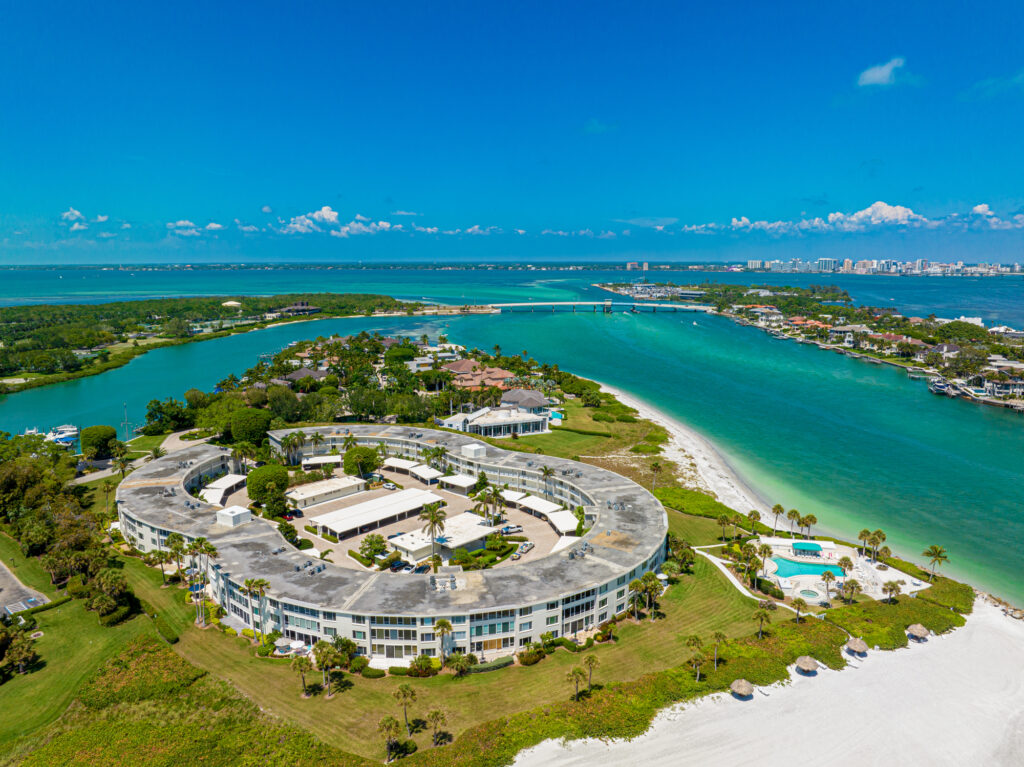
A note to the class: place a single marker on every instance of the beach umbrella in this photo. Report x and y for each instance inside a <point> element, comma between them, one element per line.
<point>858,646</point>
<point>918,631</point>
<point>807,664</point>
<point>742,688</point>
<point>283,643</point>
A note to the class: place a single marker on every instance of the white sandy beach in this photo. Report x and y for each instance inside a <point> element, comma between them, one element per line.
<point>957,699</point>
<point>687,445</point>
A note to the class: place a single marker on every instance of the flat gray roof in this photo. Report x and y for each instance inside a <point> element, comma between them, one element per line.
<point>630,527</point>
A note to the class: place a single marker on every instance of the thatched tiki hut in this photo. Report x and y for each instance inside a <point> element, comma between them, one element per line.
<point>807,664</point>
<point>918,632</point>
<point>741,688</point>
<point>857,646</point>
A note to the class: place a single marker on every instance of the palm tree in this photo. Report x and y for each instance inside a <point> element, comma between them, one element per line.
<point>694,642</point>
<point>810,521</point>
<point>753,516</point>
<point>389,727</point>
<point>655,471</point>
<point>121,464</point>
<point>723,522</point>
<point>302,665</point>
<point>108,485</point>
<point>884,553</point>
<point>828,578</point>
<point>718,637</point>
<point>590,662</point>
<point>696,661</point>
<point>316,440</point>
<point>433,517</point>
<point>879,536</point>
<point>798,605</point>
<point>793,516</point>
<point>459,663</point>
<point>322,652</point>
<point>764,551</point>
<point>735,522</point>
<point>846,565</point>
<point>157,452</point>
<point>873,542</point>
<point>761,615</point>
<point>437,719</point>
<point>891,589</point>
<point>262,586</point>
<point>670,568</point>
<point>442,628</point>
<point>863,536</point>
<point>547,473</point>
<point>405,695</point>
<point>936,555</point>
<point>851,589</point>
<point>349,442</point>
<point>176,545</point>
<point>636,587</point>
<point>161,558</point>
<point>777,511</point>
<point>652,589</point>
<point>575,677</point>
<point>207,551</point>
<point>249,589</point>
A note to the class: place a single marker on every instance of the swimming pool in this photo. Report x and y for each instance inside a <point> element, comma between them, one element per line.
<point>787,568</point>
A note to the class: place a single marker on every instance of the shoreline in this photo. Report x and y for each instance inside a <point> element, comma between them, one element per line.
<point>901,696</point>
<point>687,446</point>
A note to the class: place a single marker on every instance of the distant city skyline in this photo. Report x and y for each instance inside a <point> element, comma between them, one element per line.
<point>463,133</point>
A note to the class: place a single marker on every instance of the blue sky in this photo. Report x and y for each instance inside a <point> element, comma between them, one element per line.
<point>539,131</point>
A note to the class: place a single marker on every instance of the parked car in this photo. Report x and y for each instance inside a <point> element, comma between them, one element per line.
<point>422,569</point>
<point>394,535</point>
<point>289,517</point>
<point>515,556</point>
<point>398,565</point>
<point>390,486</point>
<point>525,547</point>
<point>408,569</point>
<point>511,529</point>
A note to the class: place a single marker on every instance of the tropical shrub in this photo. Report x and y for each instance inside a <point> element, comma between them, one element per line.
<point>98,439</point>
<point>360,460</point>
<point>373,673</point>
<point>531,656</point>
<point>165,630</point>
<point>304,543</point>
<point>360,558</point>
<point>258,479</point>
<point>397,671</point>
<point>145,670</point>
<point>250,425</point>
<point>358,663</point>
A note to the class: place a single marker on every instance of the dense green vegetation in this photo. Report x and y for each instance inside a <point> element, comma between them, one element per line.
<point>69,340</point>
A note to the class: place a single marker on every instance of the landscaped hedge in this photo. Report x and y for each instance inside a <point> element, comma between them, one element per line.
<point>398,671</point>
<point>492,665</point>
<point>112,619</point>
<point>329,537</point>
<point>303,544</point>
<point>571,646</point>
<point>360,558</point>
<point>585,432</point>
<point>47,606</point>
<point>373,673</point>
<point>358,663</point>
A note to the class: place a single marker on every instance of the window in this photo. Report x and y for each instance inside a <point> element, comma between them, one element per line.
<point>620,607</point>
<point>330,616</point>
<point>552,605</point>
<point>426,621</point>
<point>603,602</point>
<point>359,635</point>
<point>459,634</point>
<point>526,626</point>
<point>602,617</point>
<point>552,620</point>
<point>330,631</point>
<point>621,580</point>
<point>359,619</point>
<point>525,610</point>
<point>427,637</point>
<point>620,593</point>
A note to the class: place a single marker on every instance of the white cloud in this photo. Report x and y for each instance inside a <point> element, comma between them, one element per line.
<point>325,215</point>
<point>107,235</point>
<point>186,232</point>
<point>358,226</point>
<point>555,232</point>
<point>651,222</point>
<point>424,229</point>
<point>405,213</point>
<point>300,225</point>
<point>126,225</point>
<point>100,219</point>
<point>78,226</point>
<point>71,215</point>
<point>361,217</point>
<point>181,224</point>
<point>246,227</point>
<point>520,231</point>
<point>878,213</point>
<point>267,209</point>
<point>214,226</point>
<point>881,74</point>
<point>607,235</point>
<point>982,210</point>
<point>483,230</point>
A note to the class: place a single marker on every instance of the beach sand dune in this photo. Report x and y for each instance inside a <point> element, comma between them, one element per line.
<point>953,700</point>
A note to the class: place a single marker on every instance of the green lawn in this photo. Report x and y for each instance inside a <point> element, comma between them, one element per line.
<point>698,604</point>
<point>146,443</point>
<point>72,647</point>
<point>697,531</point>
<point>25,569</point>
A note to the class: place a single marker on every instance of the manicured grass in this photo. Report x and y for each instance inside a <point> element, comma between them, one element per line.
<point>697,604</point>
<point>72,647</point>
<point>145,443</point>
<point>697,531</point>
<point>25,569</point>
<point>96,501</point>
<point>884,625</point>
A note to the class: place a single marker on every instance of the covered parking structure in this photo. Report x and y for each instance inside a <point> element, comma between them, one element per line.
<point>564,522</point>
<point>373,514</point>
<point>459,483</point>
<point>218,490</point>
<point>320,461</point>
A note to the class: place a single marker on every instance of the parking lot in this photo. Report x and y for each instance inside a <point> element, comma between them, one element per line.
<point>14,596</point>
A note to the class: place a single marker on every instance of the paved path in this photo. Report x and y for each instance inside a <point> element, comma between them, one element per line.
<point>732,578</point>
<point>14,595</point>
<point>175,442</point>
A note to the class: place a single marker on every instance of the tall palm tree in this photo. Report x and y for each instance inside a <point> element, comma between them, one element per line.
<point>302,665</point>
<point>799,605</point>
<point>405,695</point>
<point>433,516</point>
<point>718,637</point>
<point>851,589</point>
<point>811,521</point>
<point>176,545</point>
<point>764,551</point>
<point>793,516</point>
<point>655,471</point>
<point>828,578</point>
<point>590,662</point>
<point>753,516</point>
<point>207,552</point>
<point>437,719</point>
<point>636,587</point>
<point>162,558</point>
<point>262,586</point>
<point>322,652</point>
<point>863,536</point>
<point>443,628</point>
<point>547,473</point>
<point>121,464</point>
<point>761,615</point>
<point>316,440</point>
<point>575,677</point>
<point>108,486</point>
<point>879,536</point>
<point>936,555</point>
<point>652,589</point>
<point>736,521</point>
<point>349,442</point>
<point>696,661</point>
<point>777,511</point>
<point>723,522</point>
<point>389,727</point>
<point>496,499</point>
<point>891,589</point>
<point>249,589</point>
<point>846,565</point>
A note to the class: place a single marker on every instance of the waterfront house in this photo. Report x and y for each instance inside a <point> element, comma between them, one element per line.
<point>503,421</point>
<point>948,351</point>
<point>847,334</point>
<point>526,399</point>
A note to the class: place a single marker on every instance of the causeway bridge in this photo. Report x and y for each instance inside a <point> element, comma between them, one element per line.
<point>607,306</point>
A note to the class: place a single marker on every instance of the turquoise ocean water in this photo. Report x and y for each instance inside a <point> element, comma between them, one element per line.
<point>858,445</point>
